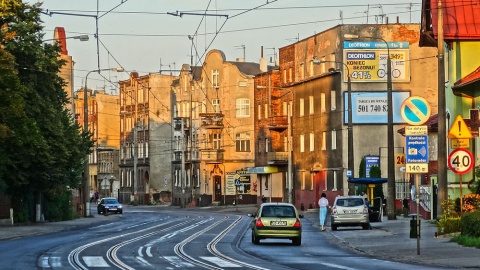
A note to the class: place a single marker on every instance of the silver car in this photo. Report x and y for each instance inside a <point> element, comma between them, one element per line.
<point>350,211</point>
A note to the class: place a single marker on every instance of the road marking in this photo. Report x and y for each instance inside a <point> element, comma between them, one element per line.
<point>338,266</point>
<point>177,262</point>
<point>143,261</point>
<point>56,262</point>
<point>44,262</point>
<point>149,252</point>
<point>220,262</point>
<point>140,251</point>
<point>95,261</point>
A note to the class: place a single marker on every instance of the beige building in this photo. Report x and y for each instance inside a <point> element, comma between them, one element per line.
<point>145,138</point>
<point>215,104</point>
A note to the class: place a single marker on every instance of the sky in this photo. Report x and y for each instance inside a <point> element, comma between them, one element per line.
<point>149,36</point>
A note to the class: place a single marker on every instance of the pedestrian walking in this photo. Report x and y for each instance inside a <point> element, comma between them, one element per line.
<point>323,204</point>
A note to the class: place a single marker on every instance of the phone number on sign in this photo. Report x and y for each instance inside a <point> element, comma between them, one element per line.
<point>371,106</point>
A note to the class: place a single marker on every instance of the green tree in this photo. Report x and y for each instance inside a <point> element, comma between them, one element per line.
<point>42,150</point>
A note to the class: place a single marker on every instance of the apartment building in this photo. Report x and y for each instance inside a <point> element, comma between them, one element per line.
<point>145,139</point>
<point>214,131</point>
<point>316,71</point>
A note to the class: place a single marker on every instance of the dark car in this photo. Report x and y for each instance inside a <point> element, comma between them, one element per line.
<point>277,220</point>
<point>109,205</point>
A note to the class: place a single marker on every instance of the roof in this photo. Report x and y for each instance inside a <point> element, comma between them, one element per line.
<point>468,85</point>
<point>461,21</point>
<point>248,68</point>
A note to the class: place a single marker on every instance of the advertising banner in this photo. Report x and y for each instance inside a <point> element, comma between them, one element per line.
<point>367,61</point>
<point>230,184</point>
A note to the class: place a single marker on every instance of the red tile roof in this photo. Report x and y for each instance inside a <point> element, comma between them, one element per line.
<point>461,19</point>
<point>469,79</point>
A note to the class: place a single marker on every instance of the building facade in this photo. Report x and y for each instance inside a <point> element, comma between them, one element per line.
<point>145,139</point>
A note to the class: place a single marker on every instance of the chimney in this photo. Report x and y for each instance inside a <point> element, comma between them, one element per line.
<point>263,61</point>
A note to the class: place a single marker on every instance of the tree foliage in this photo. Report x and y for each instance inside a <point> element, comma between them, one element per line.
<point>41,149</point>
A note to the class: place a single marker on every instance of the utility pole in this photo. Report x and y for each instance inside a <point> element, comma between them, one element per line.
<point>182,178</point>
<point>442,129</point>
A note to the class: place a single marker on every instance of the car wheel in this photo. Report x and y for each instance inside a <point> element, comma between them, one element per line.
<point>366,226</point>
<point>297,241</point>
<point>255,239</point>
<point>334,227</point>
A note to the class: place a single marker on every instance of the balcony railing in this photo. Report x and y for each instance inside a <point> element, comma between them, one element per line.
<point>211,120</point>
<point>278,122</point>
<point>177,123</point>
<point>212,155</point>
<point>277,158</point>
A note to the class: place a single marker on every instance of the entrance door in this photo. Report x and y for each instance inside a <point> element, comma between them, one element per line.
<point>217,180</point>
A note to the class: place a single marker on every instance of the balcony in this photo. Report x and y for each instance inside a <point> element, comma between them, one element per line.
<point>212,120</point>
<point>212,156</point>
<point>177,156</point>
<point>277,158</point>
<point>278,123</point>
<point>177,124</point>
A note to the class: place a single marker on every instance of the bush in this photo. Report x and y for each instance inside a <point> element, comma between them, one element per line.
<point>470,224</point>
<point>449,225</point>
<point>58,206</point>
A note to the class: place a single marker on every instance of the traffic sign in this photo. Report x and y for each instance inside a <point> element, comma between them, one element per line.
<point>459,129</point>
<point>400,158</point>
<point>416,168</point>
<point>415,110</point>
<point>460,143</point>
<point>417,149</point>
<point>237,182</point>
<point>460,161</point>
<point>416,130</point>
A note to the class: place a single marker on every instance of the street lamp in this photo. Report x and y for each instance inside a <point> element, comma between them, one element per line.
<point>351,156</point>
<point>86,172</point>
<point>390,146</point>
<point>81,38</point>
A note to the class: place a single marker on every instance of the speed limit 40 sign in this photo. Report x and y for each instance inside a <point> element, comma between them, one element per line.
<point>460,161</point>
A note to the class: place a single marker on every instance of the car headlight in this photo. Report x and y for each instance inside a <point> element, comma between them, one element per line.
<point>119,206</point>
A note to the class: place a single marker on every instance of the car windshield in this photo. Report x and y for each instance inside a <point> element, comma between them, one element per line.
<point>111,201</point>
<point>278,211</point>
<point>350,202</point>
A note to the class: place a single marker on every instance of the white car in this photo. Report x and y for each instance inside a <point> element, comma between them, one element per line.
<point>350,211</point>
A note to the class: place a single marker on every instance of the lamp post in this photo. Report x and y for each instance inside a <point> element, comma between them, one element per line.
<point>86,171</point>
<point>390,143</point>
<point>351,150</point>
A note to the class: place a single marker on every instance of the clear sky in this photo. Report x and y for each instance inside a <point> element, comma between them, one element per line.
<point>144,36</point>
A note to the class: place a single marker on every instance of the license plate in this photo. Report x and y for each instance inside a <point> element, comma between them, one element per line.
<point>278,223</point>
<point>349,211</point>
<point>114,209</point>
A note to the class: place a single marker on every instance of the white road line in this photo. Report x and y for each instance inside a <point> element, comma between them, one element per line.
<point>338,266</point>
<point>143,261</point>
<point>44,262</point>
<point>56,262</point>
<point>220,262</point>
<point>177,262</point>
<point>149,252</point>
<point>95,261</point>
<point>140,251</point>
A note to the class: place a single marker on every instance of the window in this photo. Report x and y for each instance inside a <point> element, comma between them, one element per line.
<point>290,75</point>
<point>302,107</point>
<point>243,107</point>
<point>333,100</point>
<point>334,139</point>
<point>302,178</point>
<point>243,142</point>
<point>322,102</point>
<point>312,142</point>
<point>324,140</point>
<point>334,181</point>
<point>217,139</point>
<point>302,143</point>
<point>285,143</point>
<point>266,111</point>
<point>302,72</point>
<point>310,105</point>
<point>267,145</point>
<point>284,76</point>
<point>311,68</point>
<point>216,105</point>
<point>215,75</point>
<point>259,112</point>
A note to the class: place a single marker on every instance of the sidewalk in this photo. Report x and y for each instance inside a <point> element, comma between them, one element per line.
<point>388,240</point>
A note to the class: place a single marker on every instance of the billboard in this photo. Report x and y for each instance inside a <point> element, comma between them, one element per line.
<point>372,107</point>
<point>367,61</point>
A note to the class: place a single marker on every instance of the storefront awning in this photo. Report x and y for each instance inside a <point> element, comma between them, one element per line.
<point>366,181</point>
<point>263,170</point>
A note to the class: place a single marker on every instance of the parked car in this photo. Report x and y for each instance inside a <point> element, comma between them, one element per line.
<point>349,211</point>
<point>277,220</point>
<point>109,204</point>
